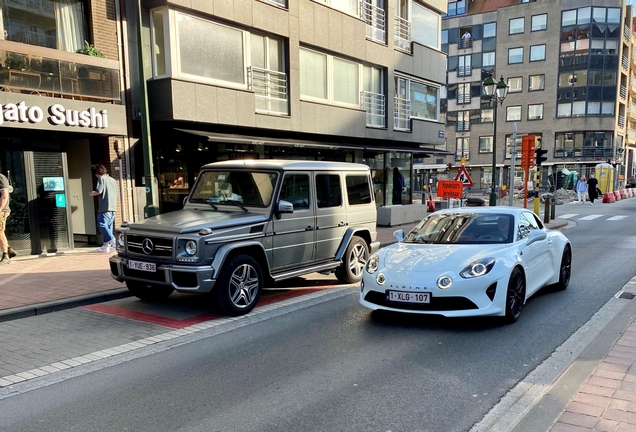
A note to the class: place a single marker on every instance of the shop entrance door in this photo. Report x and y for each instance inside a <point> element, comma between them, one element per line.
<point>18,226</point>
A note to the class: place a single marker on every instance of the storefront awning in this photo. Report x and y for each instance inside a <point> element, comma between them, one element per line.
<point>287,142</point>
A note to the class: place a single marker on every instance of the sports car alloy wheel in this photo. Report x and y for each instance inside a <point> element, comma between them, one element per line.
<point>355,259</point>
<point>565,269</point>
<point>515,295</point>
<point>240,286</point>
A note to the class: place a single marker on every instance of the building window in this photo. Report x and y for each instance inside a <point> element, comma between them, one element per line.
<point>537,53</point>
<point>464,67</point>
<point>424,101</point>
<point>516,25</point>
<point>488,59</point>
<point>346,81</point>
<point>539,22</point>
<point>52,24</point>
<point>158,43</point>
<point>490,30</point>
<point>515,84</point>
<point>456,8</point>
<point>462,149</point>
<point>513,113</point>
<point>535,112</point>
<point>517,145</point>
<point>347,6</point>
<point>536,82</point>
<point>568,18</point>
<point>486,115</point>
<point>425,26</point>
<point>515,55</point>
<point>485,144</point>
<point>313,74</point>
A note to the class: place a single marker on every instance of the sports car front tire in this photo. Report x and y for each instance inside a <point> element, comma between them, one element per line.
<point>515,296</point>
<point>565,270</point>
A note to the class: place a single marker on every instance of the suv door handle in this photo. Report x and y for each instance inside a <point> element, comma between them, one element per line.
<point>341,224</point>
<point>309,228</point>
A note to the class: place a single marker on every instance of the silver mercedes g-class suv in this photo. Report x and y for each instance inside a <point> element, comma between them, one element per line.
<point>251,221</point>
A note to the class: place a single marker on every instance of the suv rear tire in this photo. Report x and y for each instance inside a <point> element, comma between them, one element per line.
<point>240,285</point>
<point>355,259</point>
<point>146,291</point>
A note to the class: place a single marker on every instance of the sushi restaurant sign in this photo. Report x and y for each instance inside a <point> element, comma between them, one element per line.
<point>37,112</point>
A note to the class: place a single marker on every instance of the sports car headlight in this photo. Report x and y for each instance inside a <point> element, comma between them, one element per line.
<point>191,247</point>
<point>478,268</point>
<point>373,264</point>
<point>120,240</point>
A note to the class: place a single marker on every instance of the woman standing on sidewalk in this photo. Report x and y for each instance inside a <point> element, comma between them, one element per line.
<point>581,188</point>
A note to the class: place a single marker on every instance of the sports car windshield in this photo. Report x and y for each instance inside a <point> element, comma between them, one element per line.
<point>463,228</point>
<point>231,187</point>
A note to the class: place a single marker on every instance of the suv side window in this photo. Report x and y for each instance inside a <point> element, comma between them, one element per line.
<point>328,190</point>
<point>295,189</point>
<point>358,189</point>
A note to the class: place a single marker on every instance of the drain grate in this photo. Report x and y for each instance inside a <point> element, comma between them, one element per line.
<point>626,295</point>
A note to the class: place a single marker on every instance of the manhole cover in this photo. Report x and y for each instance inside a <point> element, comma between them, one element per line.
<point>627,296</point>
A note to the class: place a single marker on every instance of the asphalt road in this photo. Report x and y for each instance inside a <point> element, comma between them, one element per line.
<point>337,367</point>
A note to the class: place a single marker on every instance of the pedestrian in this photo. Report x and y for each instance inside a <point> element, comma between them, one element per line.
<point>398,186</point>
<point>106,193</point>
<point>581,188</point>
<point>631,183</point>
<point>467,35</point>
<point>5,212</point>
<point>592,192</point>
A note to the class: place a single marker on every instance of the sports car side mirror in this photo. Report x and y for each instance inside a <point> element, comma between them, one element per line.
<point>399,235</point>
<point>535,236</point>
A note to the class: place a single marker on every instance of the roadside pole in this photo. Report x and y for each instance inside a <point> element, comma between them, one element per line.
<point>511,175</point>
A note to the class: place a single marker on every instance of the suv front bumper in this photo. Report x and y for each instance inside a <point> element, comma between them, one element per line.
<point>182,278</point>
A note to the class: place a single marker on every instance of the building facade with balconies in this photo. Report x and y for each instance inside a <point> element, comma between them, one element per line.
<point>60,112</point>
<point>567,66</point>
<point>356,81</point>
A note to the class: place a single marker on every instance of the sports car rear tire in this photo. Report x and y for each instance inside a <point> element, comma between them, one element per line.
<point>565,270</point>
<point>515,296</point>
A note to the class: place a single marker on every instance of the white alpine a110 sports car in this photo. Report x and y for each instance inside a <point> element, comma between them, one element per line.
<point>467,262</point>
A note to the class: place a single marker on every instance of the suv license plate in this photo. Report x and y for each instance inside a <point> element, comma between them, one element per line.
<point>408,297</point>
<point>143,266</point>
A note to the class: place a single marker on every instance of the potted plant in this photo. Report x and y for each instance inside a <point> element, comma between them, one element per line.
<point>90,50</point>
<point>16,61</point>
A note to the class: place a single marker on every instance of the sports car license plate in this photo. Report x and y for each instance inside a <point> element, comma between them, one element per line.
<point>408,297</point>
<point>143,266</point>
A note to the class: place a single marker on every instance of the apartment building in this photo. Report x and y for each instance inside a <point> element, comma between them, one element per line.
<point>340,80</point>
<point>566,63</point>
<point>60,112</point>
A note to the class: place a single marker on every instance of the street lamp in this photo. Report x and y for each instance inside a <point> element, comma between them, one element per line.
<point>497,92</point>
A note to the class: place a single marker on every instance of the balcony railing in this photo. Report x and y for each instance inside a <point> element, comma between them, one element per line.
<point>375,106</point>
<point>627,32</point>
<point>592,152</point>
<point>465,43</point>
<point>402,34</point>
<point>463,98</point>
<point>270,89</point>
<point>27,73</point>
<point>623,92</point>
<point>625,63</point>
<point>462,126</point>
<point>463,71</point>
<point>621,121</point>
<point>401,114</point>
<point>375,17</point>
<point>459,154</point>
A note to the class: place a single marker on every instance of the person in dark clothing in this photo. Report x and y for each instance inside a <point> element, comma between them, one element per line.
<point>398,186</point>
<point>591,189</point>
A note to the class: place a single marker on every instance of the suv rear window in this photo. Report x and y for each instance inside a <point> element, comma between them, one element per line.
<point>358,189</point>
<point>328,190</point>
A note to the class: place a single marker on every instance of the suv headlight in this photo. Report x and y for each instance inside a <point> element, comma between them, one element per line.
<point>120,240</point>
<point>373,264</point>
<point>191,247</point>
<point>478,268</point>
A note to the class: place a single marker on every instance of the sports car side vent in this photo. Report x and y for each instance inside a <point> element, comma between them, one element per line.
<point>490,292</point>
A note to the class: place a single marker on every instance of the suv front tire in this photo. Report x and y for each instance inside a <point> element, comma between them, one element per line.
<point>240,285</point>
<point>355,259</point>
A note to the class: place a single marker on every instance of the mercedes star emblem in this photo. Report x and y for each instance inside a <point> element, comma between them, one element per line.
<point>147,246</point>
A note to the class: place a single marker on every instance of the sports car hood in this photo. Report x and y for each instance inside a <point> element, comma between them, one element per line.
<point>186,221</point>
<point>435,257</point>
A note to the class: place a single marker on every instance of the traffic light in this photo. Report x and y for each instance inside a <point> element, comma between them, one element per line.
<point>539,152</point>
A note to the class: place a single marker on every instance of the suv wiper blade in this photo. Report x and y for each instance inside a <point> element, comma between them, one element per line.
<point>201,200</point>
<point>237,204</point>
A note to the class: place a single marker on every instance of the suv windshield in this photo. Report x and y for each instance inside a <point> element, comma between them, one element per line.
<point>247,188</point>
<point>463,228</point>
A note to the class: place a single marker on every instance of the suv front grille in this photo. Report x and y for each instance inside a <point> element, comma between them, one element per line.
<point>161,247</point>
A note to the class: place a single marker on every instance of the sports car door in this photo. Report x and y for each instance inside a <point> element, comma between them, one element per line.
<point>535,257</point>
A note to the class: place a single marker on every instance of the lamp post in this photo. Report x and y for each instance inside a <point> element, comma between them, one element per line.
<point>497,92</point>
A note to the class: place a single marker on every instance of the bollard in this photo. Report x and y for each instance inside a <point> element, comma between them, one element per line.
<point>546,212</point>
<point>552,209</point>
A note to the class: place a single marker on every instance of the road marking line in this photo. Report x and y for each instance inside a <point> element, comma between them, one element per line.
<point>568,216</point>
<point>591,217</point>
<point>617,218</point>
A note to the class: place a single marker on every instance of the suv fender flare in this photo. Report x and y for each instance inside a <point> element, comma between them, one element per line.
<point>365,234</point>
<point>254,249</point>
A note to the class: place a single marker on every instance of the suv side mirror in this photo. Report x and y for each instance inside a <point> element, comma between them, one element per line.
<point>284,207</point>
<point>535,236</point>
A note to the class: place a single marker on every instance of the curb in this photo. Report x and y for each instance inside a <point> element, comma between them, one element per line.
<point>58,305</point>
